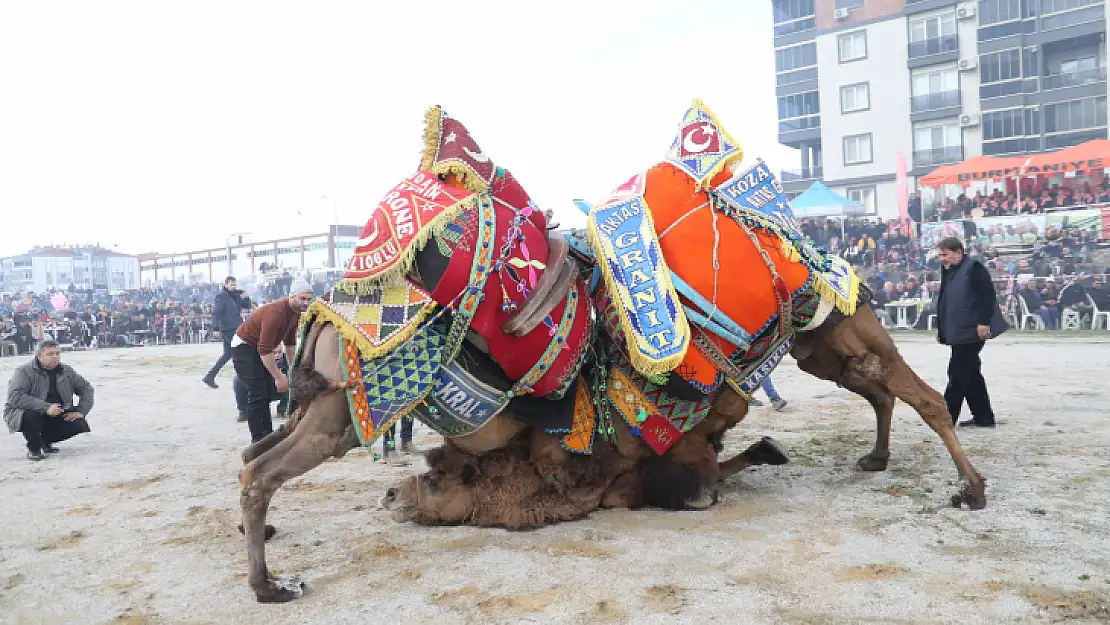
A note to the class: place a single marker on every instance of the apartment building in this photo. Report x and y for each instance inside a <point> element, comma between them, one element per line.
<point>860,82</point>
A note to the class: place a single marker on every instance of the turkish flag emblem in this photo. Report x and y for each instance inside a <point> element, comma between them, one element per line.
<point>699,139</point>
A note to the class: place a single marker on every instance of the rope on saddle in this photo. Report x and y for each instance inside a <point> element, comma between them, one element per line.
<point>782,292</point>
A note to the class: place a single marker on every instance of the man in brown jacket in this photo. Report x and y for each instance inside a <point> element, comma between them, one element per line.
<point>253,354</point>
<point>40,401</point>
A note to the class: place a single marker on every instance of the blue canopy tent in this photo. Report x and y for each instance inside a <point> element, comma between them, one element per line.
<point>819,201</point>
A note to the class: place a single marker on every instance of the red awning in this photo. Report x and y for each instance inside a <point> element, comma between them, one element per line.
<point>1092,155</point>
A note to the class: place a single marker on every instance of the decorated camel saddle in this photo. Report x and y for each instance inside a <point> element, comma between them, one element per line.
<point>456,301</point>
<point>706,278</point>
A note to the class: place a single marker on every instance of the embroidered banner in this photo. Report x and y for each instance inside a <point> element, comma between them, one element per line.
<point>379,320</point>
<point>400,225</point>
<point>460,403</point>
<point>755,373</point>
<point>623,238</point>
<point>449,149</point>
<point>382,391</point>
<point>702,147</point>
<point>839,283</point>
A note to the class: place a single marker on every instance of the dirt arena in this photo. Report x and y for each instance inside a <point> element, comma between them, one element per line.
<point>135,523</point>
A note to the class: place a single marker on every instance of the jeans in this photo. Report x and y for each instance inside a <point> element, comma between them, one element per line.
<point>1051,317</point>
<point>40,430</point>
<point>966,383</point>
<point>261,389</point>
<point>406,434</point>
<point>769,388</point>
<point>226,336</point>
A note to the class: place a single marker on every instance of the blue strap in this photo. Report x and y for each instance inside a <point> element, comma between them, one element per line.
<point>719,319</point>
<point>711,326</point>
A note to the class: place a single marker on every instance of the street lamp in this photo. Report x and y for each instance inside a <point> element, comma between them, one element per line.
<point>230,269</point>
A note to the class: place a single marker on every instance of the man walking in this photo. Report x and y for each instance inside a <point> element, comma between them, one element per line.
<point>967,316</point>
<point>253,354</point>
<point>226,319</point>
<point>40,402</point>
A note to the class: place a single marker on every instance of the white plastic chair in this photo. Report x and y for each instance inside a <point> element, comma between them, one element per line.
<point>1038,323</point>
<point>1097,315</point>
<point>932,318</point>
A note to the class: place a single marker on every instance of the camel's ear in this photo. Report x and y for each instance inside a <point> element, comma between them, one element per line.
<point>469,474</point>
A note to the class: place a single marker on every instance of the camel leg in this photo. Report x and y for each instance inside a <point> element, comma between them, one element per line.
<point>266,444</point>
<point>882,400</point>
<point>868,351</point>
<point>325,431</point>
<point>766,451</point>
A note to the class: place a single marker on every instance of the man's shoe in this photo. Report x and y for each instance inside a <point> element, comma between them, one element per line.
<point>778,403</point>
<point>50,449</point>
<point>210,382</point>
<point>242,417</point>
<point>973,423</point>
<point>35,455</point>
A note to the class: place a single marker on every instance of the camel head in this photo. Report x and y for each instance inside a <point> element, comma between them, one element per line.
<point>435,497</point>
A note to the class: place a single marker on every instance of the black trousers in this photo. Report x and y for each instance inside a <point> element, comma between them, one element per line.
<point>41,430</point>
<point>966,383</point>
<point>261,389</point>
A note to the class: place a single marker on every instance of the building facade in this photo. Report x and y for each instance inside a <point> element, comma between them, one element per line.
<point>330,249</point>
<point>83,267</point>
<point>859,82</point>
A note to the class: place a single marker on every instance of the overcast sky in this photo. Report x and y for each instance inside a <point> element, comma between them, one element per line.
<point>158,126</point>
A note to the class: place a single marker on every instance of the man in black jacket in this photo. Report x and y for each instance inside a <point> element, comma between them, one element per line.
<point>967,316</point>
<point>226,319</point>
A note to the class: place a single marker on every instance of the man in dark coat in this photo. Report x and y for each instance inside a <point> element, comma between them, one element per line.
<point>967,316</point>
<point>227,316</point>
<point>40,401</point>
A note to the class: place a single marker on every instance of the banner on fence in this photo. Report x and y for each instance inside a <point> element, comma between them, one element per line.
<point>1086,219</point>
<point>1016,229</point>
<point>933,231</point>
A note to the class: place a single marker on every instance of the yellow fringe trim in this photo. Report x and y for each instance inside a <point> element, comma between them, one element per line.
<point>463,175</point>
<point>788,250</point>
<point>735,159</point>
<point>640,361</point>
<point>317,311</point>
<point>845,306</point>
<point>363,286</point>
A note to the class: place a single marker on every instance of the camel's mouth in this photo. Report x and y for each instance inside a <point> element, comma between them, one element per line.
<point>401,511</point>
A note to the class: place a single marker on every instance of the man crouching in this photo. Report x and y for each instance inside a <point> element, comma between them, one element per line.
<point>40,401</point>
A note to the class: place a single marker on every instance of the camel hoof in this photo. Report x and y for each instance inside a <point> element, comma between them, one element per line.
<point>975,498</point>
<point>767,451</point>
<point>871,463</point>
<point>281,589</point>
<point>270,530</point>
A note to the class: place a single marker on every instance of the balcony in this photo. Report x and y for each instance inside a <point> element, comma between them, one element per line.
<point>934,101</point>
<point>802,175</point>
<point>1074,79</point>
<point>799,123</point>
<point>795,26</point>
<point>936,45</point>
<point>938,156</point>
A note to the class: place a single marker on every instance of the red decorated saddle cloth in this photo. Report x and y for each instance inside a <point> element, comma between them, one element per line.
<point>493,244</point>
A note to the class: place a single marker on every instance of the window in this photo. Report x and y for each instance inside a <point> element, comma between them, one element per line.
<point>857,149</point>
<point>854,98</point>
<point>1009,123</point>
<point>997,11</point>
<point>799,105</point>
<point>1056,6</point>
<point>789,10</point>
<point>933,27</point>
<point>935,88</point>
<point>852,46</point>
<point>1075,115</point>
<point>1000,66</point>
<point>863,195</point>
<point>937,144</point>
<point>1082,64</point>
<point>796,57</point>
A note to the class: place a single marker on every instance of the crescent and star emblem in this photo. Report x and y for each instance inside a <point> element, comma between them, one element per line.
<point>694,147</point>
<point>370,238</point>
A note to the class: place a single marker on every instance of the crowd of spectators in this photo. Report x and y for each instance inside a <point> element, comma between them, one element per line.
<point>167,314</point>
<point>1040,198</point>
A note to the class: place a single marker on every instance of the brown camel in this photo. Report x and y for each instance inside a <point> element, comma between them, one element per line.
<point>856,353</point>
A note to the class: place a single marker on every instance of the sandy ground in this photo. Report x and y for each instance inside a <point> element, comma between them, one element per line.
<point>136,522</point>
